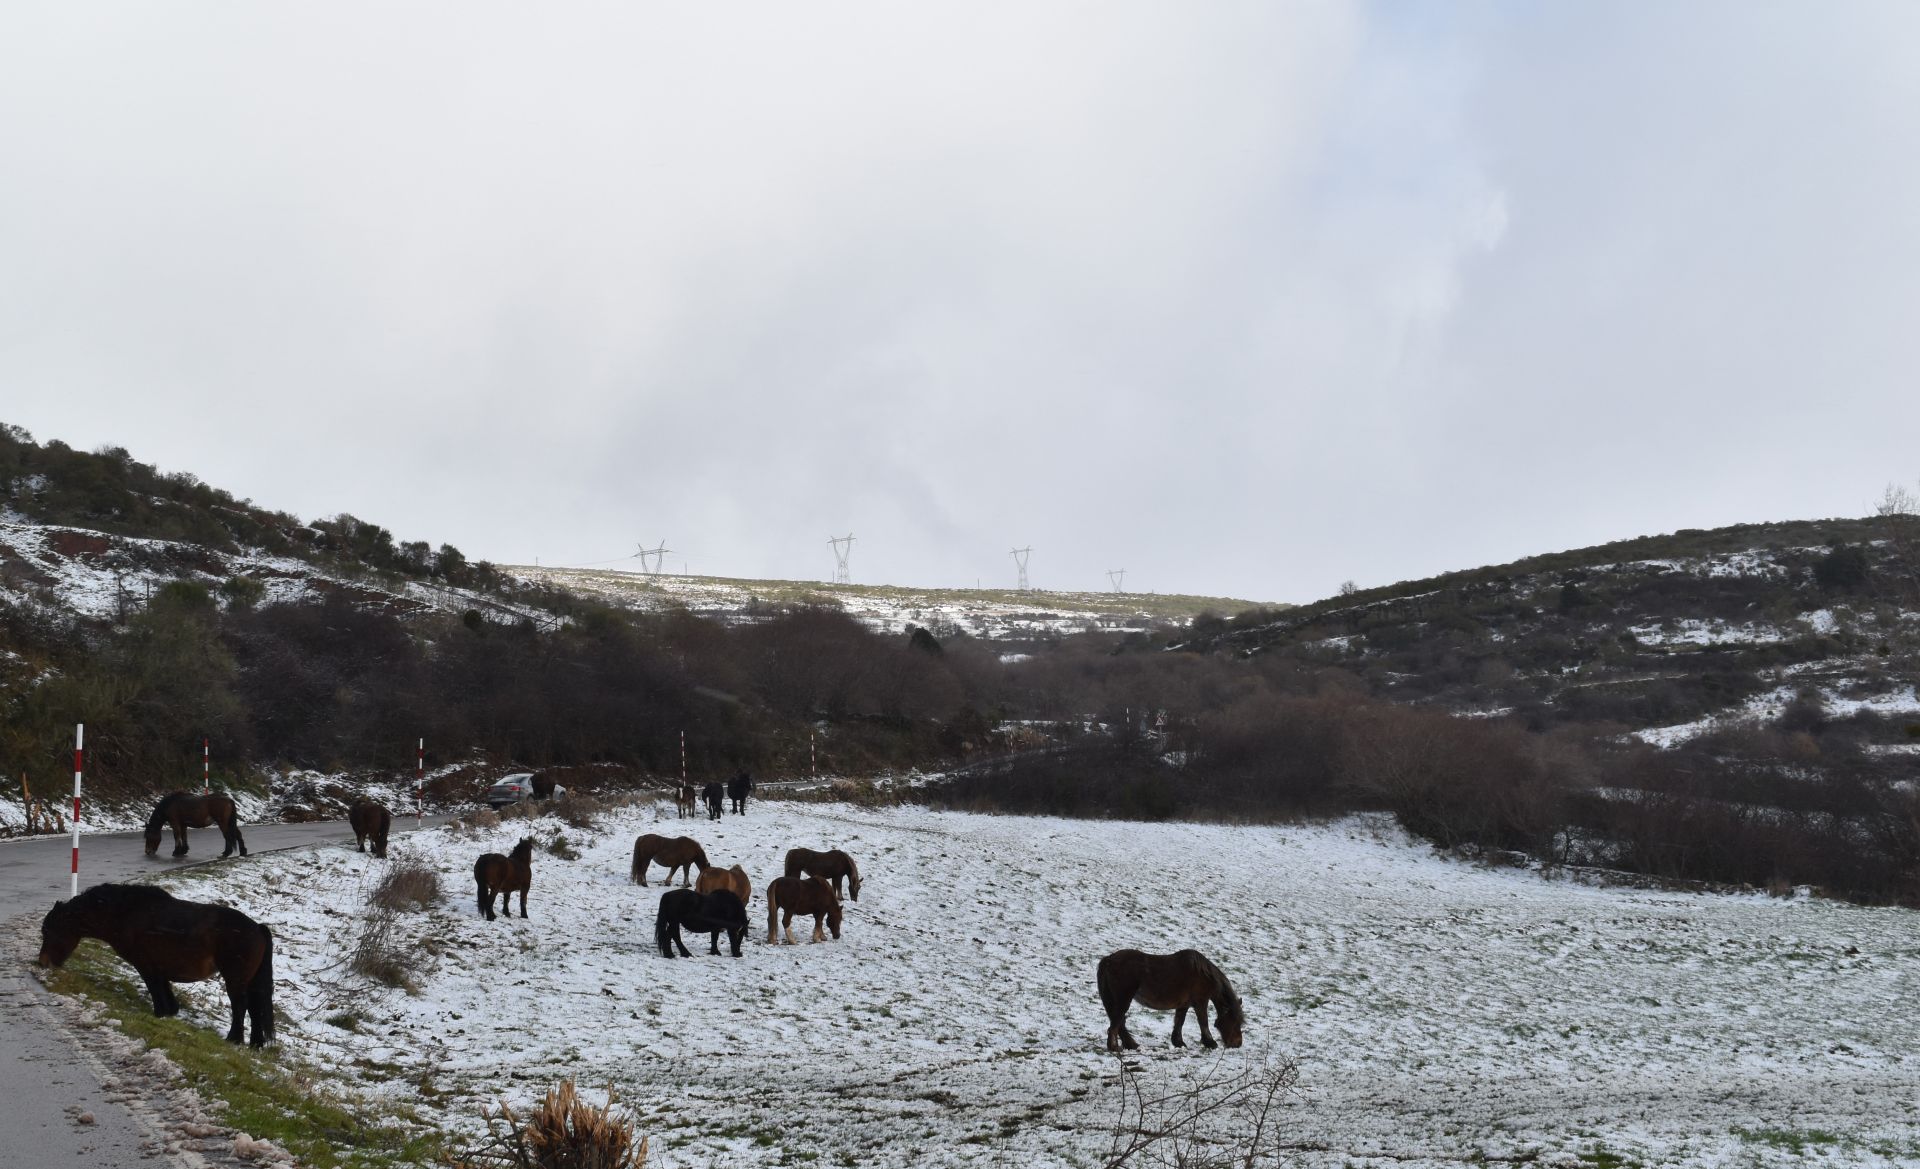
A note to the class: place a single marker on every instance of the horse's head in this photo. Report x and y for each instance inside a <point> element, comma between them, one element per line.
<point>853,881</point>
<point>1229,1017</point>
<point>833,920</point>
<point>523,852</point>
<point>59,934</point>
<point>153,839</point>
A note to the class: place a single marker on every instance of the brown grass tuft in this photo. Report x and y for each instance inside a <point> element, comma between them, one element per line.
<point>564,1132</point>
<point>406,885</point>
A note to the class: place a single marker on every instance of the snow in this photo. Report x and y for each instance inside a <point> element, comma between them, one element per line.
<point>1439,1013</point>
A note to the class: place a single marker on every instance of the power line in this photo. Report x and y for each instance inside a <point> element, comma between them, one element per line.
<point>1118,578</point>
<point>1020,558</point>
<point>653,560</point>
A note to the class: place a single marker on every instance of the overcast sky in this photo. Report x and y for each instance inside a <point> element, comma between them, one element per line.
<point>1247,299</point>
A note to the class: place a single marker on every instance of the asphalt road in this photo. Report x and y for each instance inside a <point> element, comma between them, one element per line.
<point>45,1083</point>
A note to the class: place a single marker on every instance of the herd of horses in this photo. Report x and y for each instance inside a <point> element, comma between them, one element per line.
<point>167,940</point>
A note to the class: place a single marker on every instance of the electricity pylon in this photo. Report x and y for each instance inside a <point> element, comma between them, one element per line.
<point>842,551</point>
<point>1020,558</point>
<point>1118,577</point>
<point>653,560</point>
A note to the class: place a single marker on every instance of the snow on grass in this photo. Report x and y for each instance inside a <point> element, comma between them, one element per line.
<point>1439,1013</point>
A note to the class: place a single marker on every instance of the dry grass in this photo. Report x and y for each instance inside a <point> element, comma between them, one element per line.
<point>564,1132</point>
<point>380,954</point>
<point>406,885</point>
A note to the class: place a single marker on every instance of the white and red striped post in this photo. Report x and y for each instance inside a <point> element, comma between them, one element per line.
<point>813,755</point>
<point>206,765</point>
<point>420,783</point>
<point>79,744</point>
<point>683,758</point>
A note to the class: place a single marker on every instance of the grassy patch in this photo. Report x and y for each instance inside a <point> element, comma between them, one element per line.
<point>269,1095</point>
<point>1795,1141</point>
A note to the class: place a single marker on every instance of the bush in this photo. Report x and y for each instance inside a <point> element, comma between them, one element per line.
<point>406,885</point>
<point>380,955</point>
<point>565,1132</point>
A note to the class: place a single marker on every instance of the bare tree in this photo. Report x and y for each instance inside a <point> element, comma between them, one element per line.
<point>1897,500</point>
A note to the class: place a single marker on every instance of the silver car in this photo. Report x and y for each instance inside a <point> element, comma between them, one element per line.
<point>510,790</point>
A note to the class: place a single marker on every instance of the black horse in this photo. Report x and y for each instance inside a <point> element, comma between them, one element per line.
<point>738,789</point>
<point>171,941</point>
<point>700,913</point>
<point>715,794</point>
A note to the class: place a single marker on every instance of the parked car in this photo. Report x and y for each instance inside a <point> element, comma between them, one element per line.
<point>510,790</point>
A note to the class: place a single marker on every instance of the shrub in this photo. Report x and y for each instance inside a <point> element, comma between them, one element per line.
<point>380,955</point>
<point>582,812</point>
<point>564,1132</point>
<point>406,885</point>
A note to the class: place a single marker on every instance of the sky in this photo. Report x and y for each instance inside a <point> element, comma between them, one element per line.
<point>1247,299</point>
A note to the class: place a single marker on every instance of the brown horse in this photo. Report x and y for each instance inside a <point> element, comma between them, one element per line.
<point>678,852</point>
<point>833,865</point>
<point>181,811</point>
<point>804,896</point>
<point>171,941</point>
<point>686,799</point>
<point>505,875</point>
<point>1167,982</point>
<point>370,821</point>
<point>733,880</point>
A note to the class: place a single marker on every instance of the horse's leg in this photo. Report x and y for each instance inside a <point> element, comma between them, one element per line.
<point>523,901</point>
<point>1200,1017</point>
<point>679,942</point>
<point>715,948</point>
<point>1179,1020</point>
<point>230,834</point>
<point>237,1006</point>
<point>157,988</point>
<point>237,838</point>
<point>786,924</point>
<point>180,838</point>
<point>819,927</point>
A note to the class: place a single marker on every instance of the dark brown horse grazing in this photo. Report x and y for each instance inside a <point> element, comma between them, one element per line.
<point>678,852</point>
<point>505,875</point>
<point>182,810</point>
<point>1167,982</point>
<point>833,865</point>
<point>171,941</point>
<point>733,880</point>
<point>712,913</point>
<point>802,896</point>
<point>370,821</point>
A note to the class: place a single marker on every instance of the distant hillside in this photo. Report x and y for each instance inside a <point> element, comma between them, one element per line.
<point>1669,636</point>
<point>1002,615</point>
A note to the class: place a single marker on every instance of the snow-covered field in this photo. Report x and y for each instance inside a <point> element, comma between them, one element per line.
<point>1439,1013</point>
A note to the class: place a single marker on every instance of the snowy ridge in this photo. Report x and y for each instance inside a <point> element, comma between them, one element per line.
<point>1439,1013</point>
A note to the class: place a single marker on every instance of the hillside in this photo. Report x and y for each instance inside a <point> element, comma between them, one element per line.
<point>1003,615</point>
<point>1670,637</point>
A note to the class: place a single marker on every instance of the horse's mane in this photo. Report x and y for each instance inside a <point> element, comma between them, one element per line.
<point>159,816</point>
<point>523,850</point>
<point>853,870</point>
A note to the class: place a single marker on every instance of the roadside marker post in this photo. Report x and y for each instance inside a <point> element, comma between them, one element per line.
<point>683,758</point>
<point>79,745</point>
<point>26,797</point>
<point>206,765</point>
<point>420,784</point>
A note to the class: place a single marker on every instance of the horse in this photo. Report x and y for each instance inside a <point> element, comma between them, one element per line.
<point>679,852</point>
<point>181,811</point>
<point>1167,982</point>
<point>715,795</point>
<point>169,941</point>
<point>505,875</point>
<point>738,789</point>
<point>833,865</point>
<point>734,880</point>
<point>802,896</point>
<point>370,820</point>
<point>700,913</point>
<point>685,799</point>
<point>543,786</point>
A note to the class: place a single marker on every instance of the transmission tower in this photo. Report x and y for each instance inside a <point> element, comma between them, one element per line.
<point>842,551</point>
<point>1118,578</point>
<point>1020,558</point>
<point>653,560</point>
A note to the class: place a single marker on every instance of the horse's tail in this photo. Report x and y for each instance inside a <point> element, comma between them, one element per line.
<point>159,817</point>
<point>260,992</point>
<point>481,899</point>
<point>639,865</point>
<point>231,829</point>
<point>773,909</point>
<point>663,930</point>
<point>700,858</point>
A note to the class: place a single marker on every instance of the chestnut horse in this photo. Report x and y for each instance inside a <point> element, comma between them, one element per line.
<point>833,865</point>
<point>804,896</point>
<point>505,875</point>
<point>679,852</point>
<point>733,880</point>
<point>171,941</point>
<point>181,811</point>
<point>370,821</point>
<point>702,913</point>
<point>685,799</point>
<point>1167,982</point>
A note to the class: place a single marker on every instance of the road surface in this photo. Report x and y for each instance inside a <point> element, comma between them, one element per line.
<point>46,1083</point>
